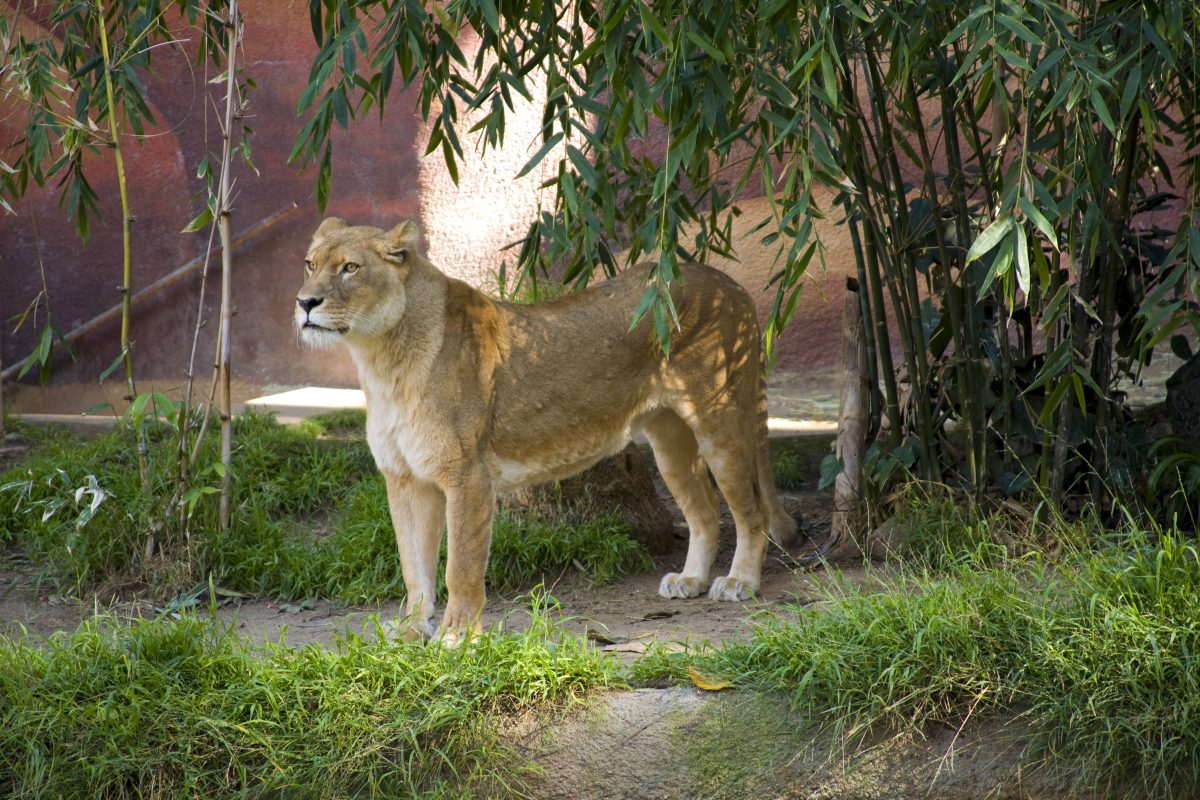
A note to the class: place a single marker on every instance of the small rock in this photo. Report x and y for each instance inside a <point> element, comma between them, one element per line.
<point>889,540</point>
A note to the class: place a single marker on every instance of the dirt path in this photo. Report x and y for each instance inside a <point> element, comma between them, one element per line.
<point>652,744</point>
<point>622,617</point>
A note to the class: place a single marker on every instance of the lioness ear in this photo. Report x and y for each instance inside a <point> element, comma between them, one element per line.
<point>328,226</point>
<point>401,240</point>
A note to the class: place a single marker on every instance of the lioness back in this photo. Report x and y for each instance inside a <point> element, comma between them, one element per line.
<point>577,366</point>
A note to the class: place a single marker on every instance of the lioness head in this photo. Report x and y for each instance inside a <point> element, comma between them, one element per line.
<point>353,281</point>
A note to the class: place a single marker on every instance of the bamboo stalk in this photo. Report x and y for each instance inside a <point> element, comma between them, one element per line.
<point>872,367</point>
<point>951,299</point>
<point>907,277</point>
<point>1007,384</point>
<point>1054,449</point>
<point>233,29</point>
<point>976,463</point>
<point>852,431</point>
<point>126,257</point>
<point>2,429</point>
<point>1110,254</point>
<point>853,151</point>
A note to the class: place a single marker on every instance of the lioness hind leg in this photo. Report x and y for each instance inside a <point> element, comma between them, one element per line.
<point>418,516</point>
<point>677,454</point>
<point>733,466</point>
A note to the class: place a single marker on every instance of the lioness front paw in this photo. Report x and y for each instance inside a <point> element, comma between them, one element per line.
<point>732,589</point>
<point>409,629</point>
<point>458,627</point>
<point>453,638</point>
<point>680,587</point>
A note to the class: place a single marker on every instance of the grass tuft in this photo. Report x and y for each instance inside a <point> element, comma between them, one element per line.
<point>662,664</point>
<point>1101,653</point>
<point>188,709</point>
<point>526,548</point>
<point>343,422</point>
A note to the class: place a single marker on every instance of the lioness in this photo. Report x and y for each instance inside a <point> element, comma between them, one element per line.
<point>468,397</point>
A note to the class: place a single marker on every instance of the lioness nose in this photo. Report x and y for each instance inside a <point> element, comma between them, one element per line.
<point>309,303</point>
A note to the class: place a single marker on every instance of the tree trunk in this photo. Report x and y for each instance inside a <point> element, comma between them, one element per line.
<point>848,506</point>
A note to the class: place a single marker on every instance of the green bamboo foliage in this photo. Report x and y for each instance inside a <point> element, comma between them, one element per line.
<point>996,163</point>
<point>79,84</point>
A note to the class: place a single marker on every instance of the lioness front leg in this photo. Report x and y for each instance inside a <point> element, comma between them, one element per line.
<point>469,510</point>
<point>418,515</point>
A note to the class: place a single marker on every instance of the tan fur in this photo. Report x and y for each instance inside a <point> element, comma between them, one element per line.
<point>468,397</point>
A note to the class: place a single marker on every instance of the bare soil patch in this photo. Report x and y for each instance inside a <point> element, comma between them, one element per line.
<point>683,743</point>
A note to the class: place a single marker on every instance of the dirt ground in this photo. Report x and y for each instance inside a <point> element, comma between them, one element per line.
<point>623,617</point>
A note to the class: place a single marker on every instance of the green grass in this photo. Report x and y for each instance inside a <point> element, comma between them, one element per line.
<point>310,519</point>
<point>796,460</point>
<point>789,469</point>
<point>1099,653</point>
<point>663,665</point>
<point>187,709</point>
<point>344,422</point>
<point>524,547</point>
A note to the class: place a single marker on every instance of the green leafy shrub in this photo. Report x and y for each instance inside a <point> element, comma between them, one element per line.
<point>310,517</point>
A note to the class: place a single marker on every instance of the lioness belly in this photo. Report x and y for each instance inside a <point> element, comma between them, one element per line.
<point>571,456</point>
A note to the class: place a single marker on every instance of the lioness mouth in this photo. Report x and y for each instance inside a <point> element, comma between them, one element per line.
<point>323,328</point>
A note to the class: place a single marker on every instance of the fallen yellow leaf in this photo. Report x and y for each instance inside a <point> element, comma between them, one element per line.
<point>709,683</point>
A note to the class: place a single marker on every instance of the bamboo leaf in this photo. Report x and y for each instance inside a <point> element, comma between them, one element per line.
<point>111,368</point>
<point>647,299</point>
<point>1101,109</point>
<point>990,237</point>
<point>199,222</point>
<point>491,15</point>
<point>546,147</point>
<point>1053,402</point>
<point>652,22</point>
<point>1034,214</point>
<point>1022,248</point>
<point>707,47</point>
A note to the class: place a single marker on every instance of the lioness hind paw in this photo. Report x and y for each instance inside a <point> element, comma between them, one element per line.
<point>731,589</point>
<point>680,587</point>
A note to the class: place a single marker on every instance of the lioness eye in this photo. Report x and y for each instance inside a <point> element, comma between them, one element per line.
<point>308,267</point>
<point>350,268</point>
